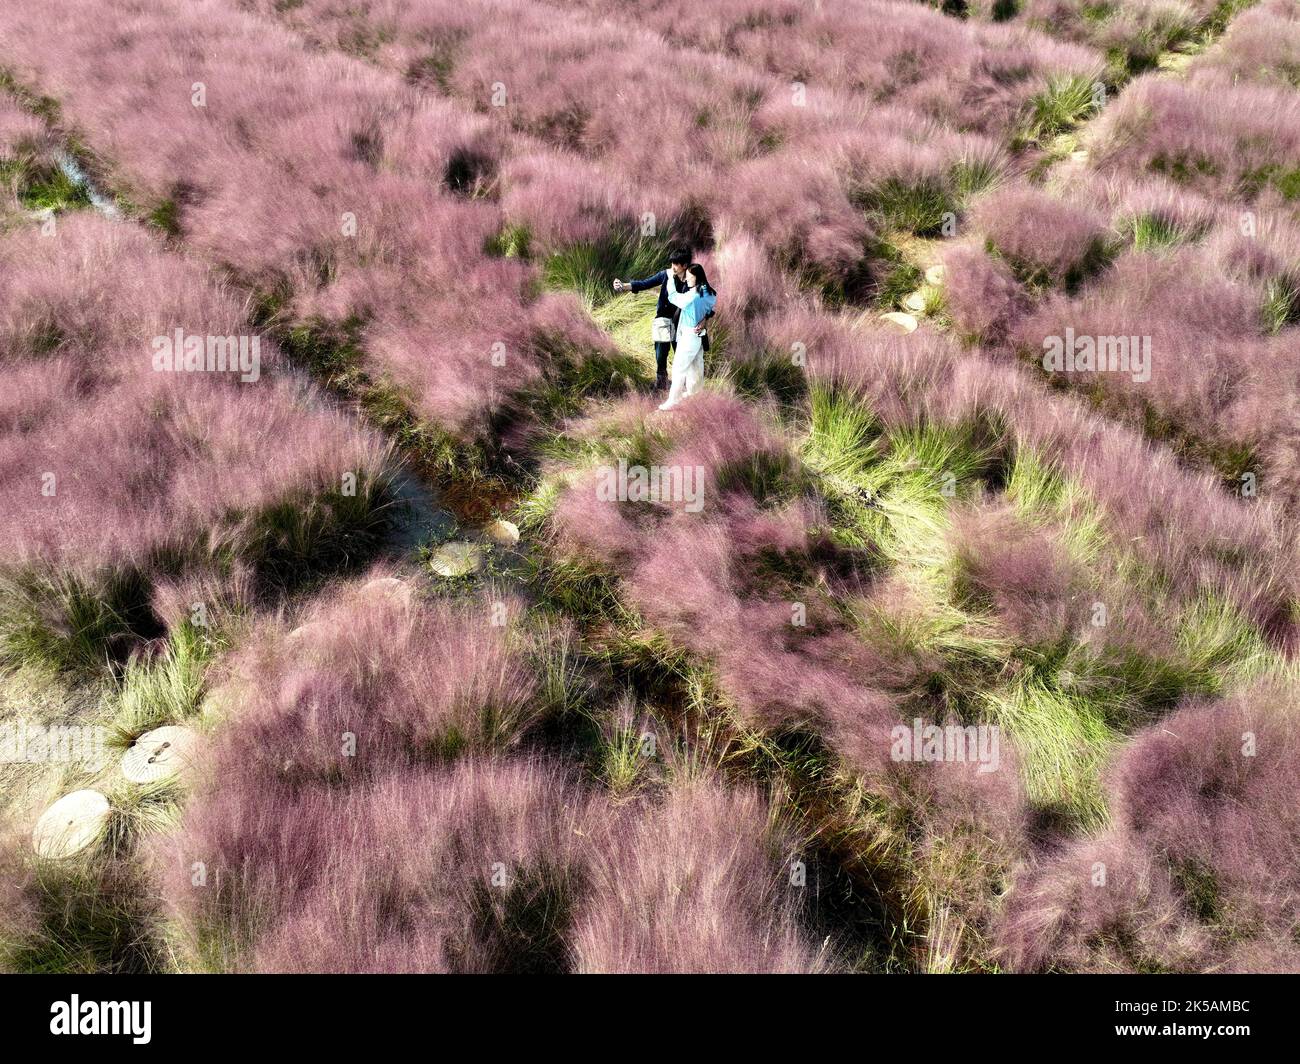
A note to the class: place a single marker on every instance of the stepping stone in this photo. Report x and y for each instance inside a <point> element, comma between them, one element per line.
<point>307,632</point>
<point>1080,156</point>
<point>457,558</point>
<point>71,824</point>
<point>915,303</point>
<point>388,586</point>
<point>502,533</point>
<point>934,275</point>
<point>160,754</point>
<point>902,323</point>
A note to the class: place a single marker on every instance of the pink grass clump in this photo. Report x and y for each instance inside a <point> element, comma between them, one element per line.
<point>406,680</point>
<point>692,886</point>
<point>1021,572</point>
<point>390,234</point>
<point>1217,139</point>
<point>17,128</point>
<point>1197,872</point>
<point>1260,45</point>
<point>132,449</point>
<point>982,294</point>
<point>801,218</point>
<point>469,869</point>
<point>1040,235</point>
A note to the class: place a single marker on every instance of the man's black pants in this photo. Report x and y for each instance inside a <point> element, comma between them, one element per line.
<point>662,347</point>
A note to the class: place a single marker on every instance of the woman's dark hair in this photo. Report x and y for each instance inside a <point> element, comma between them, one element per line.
<point>697,271</point>
<point>680,257</point>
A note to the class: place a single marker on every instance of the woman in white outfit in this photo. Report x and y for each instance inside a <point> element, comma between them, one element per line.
<point>688,360</point>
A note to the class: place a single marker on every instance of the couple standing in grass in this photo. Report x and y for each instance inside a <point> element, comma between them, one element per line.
<point>685,299</point>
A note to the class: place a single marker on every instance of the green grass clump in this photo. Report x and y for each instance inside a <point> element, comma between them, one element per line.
<point>41,186</point>
<point>918,206</point>
<point>898,280</point>
<point>67,624</point>
<point>766,375</point>
<point>1288,183</point>
<point>1063,742</point>
<point>1064,104</point>
<point>291,543</point>
<point>164,688</point>
<point>513,242</point>
<point>93,915</point>
<point>1281,304</point>
<point>628,319</point>
<point>589,269</point>
<point>1154,232</point>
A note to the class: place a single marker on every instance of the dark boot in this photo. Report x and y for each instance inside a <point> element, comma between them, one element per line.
<point>661,382</point>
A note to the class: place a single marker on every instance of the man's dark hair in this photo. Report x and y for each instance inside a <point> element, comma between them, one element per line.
<point>680,257</point>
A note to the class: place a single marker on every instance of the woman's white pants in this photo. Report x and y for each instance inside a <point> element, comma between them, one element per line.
<point>688,373</point>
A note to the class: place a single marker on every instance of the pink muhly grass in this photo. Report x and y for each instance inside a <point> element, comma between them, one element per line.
<point>132,449</point>
<point>17,128</point>
<point>969,75</point>
<point>752,282</point>
<point>982,295</point>
<point>695,884</point>
<point>1182,519</point>
<point>1199,865</point>
<point>1217,140</point>
<point>20,916</point>
<point>1208,362</point>
<point>1040,236</point>
<point>410,681</point>
<point>563,199</point>
<point>473,870</point>
<point>1260,44</point>
<point>797,210</point>
<point>396,875</point>
<point>402,165</point>
<point>1021,572</point>
<point>226,594</point>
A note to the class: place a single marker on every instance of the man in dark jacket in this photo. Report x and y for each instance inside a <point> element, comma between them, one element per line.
<point>676,275</point>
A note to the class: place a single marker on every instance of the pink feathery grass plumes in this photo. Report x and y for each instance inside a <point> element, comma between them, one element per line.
<point>408,681</point>
<point>1197,871</point>
<point>144,461</point>
<point>695,884</point>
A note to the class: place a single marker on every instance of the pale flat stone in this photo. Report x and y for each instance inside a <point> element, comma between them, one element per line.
<point>306,632</point>
<point>160,754</point>
<point>903,323</point>
<point>915,303</point>
<point>934,275</point>
<point>502,533</point>
<point>71,824</point>
<point>457,558</point>
<point>389,587</point>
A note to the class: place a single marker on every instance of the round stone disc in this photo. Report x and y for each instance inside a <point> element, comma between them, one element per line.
<point>159,754</point>
<point>389,586</point>
<point>305,633</point>
<point>457,558</point>
<point>502,533</point>
<point>903,323</point>
<point>71,824</point>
